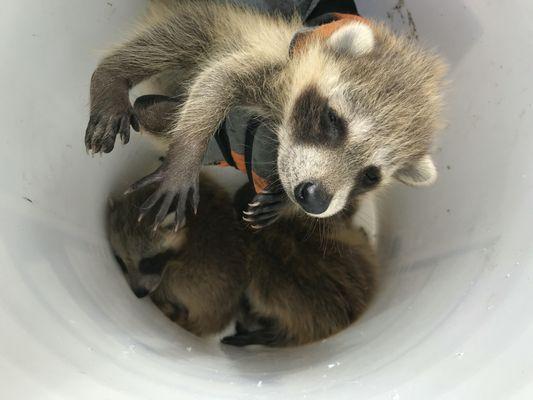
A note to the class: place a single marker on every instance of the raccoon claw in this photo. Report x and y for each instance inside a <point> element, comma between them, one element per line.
<point>262,220</point>
<point>103,129</point>
<point>265,208</point>
<point>170,195</point>
<point>240,329</point>
<point>237,340</point>
<point>264,337</point>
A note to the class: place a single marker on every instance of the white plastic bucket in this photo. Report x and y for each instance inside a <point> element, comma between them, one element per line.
<point>453,319</point>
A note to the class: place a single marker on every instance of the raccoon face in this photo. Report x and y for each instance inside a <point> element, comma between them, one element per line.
<point>364,109</point>
<point>141,253</point>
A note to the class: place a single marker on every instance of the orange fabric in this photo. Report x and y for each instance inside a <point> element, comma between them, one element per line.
<point>259,183</point>
<point>325,31</point>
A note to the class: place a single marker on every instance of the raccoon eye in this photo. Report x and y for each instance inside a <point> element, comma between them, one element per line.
<point>332,116</point>
<point>121,264</point>
<point>371,176</point>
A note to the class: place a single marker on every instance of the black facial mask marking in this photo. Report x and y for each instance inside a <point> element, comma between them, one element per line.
<point>154,265</point>
<point>314,121</point>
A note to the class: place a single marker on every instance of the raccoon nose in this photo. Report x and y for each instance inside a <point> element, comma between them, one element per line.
<point>312,197</point>
<point>141,292</point>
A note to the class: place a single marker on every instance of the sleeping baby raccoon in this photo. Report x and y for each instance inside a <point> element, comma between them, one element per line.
<point>352,105</point>
<point>195,275</point>
<point>306,284</point>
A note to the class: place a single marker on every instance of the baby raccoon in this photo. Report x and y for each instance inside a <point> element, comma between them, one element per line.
<point>304,286</point>
<point>352,105</point>
<point>195,275</point>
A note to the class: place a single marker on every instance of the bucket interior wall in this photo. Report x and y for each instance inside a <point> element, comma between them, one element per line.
<point>453,316</point>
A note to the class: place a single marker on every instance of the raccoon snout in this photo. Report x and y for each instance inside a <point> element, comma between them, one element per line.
<point>312,197</point>
<point>141,292</point>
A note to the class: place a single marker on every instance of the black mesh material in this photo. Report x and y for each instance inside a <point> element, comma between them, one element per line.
<point>328,6</point>
<point>307,8</point>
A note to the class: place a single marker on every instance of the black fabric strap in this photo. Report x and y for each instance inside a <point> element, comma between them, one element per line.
<point>251,129</point>
<point>337,6</point>
<point>221,136</point>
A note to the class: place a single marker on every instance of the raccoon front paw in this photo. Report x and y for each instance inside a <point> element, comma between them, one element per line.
<point>104,125</point>
<point>264,337</point>
<point>172,193</point>
<point>265,208</point>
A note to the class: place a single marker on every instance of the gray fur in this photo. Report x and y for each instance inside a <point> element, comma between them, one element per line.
<point>388,92</point>
<point>204,275</point>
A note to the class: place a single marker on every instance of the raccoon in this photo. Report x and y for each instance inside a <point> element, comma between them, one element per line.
<point>305,286</point>
<point>195,275</point>
<point>353,106</point>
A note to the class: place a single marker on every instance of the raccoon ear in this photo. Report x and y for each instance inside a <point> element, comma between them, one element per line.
<point>421,172</point>
<point>299,38</point>
<point>355,37</point>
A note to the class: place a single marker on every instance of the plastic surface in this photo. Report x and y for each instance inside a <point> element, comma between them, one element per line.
<point>453,318</point>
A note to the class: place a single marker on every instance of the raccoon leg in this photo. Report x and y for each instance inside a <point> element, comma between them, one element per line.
<point>254,329</point>
<point>265,337</point>
<point>165,45</point>
<point>111,114</point>
<point>240,329</point>
<point>215,91</point>
<point>156,113</point>
<point>247,320</point>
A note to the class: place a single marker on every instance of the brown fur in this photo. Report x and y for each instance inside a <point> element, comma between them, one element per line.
<point>204,276</point>
<point>307,284</point>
